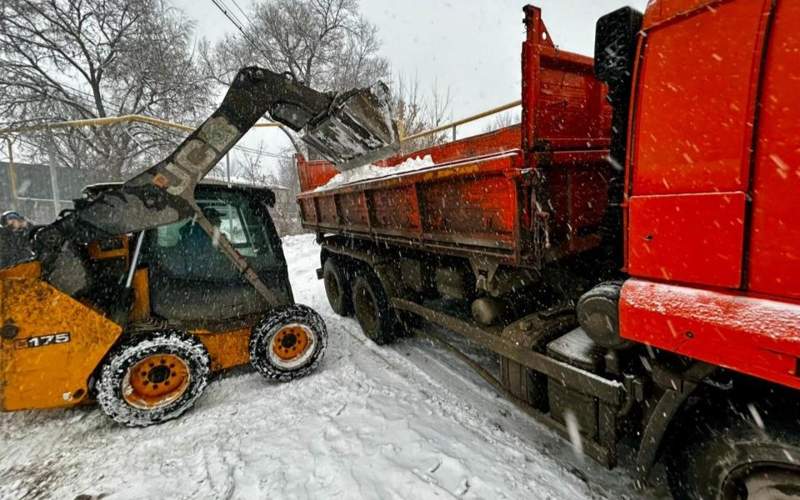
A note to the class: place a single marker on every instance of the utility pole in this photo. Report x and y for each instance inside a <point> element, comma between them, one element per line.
<point>228,166</point>
<point>51,153</point>
<point>12,175</point>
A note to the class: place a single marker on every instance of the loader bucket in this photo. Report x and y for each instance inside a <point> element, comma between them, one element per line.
<point>356,130</point>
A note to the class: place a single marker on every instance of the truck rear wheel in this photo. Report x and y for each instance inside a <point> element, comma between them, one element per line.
<point>337,287</point>
<point>372,309</point>
<point>733,458</point>
<point>289,343</point>
<point>153,377</point>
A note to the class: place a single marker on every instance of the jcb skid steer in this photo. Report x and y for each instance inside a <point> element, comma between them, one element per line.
<point>147,287</point>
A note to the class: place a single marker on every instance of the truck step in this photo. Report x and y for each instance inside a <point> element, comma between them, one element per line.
<point>577,349</point>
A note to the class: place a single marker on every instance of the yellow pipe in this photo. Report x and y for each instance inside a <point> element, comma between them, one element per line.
<point>462,121</point>
<point>111,120</point>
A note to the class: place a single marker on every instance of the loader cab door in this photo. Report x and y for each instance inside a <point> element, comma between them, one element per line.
<point>192,281</point>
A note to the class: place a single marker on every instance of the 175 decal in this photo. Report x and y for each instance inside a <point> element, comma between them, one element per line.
<point>42,340</point>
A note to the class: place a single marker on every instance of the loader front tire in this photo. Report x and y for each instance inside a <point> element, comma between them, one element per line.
<point>153,377</point>
<point>289,343</point>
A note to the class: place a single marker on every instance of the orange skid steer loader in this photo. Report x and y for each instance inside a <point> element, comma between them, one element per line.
<point>147,287</point>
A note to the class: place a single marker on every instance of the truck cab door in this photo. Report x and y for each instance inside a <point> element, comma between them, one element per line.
<point>691,140</point>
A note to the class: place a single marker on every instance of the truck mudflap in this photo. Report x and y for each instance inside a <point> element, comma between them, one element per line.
<point>681,386</point>
<point>50,343</point>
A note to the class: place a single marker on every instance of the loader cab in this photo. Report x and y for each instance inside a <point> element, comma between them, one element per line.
<point>191,281</point>
<point>186,279</point>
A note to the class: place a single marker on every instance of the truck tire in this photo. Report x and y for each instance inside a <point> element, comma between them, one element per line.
<point>289,343</point>
<point>337,287</point>
<point>372,309</point>
<point>153,377</point>
<point>733,458</point>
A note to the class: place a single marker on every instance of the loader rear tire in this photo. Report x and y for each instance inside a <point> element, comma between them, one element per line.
<point>289,343</point>
<point>730,457</point>
<point>372,309</point>
<point>154,377</point>
<point>337,287</point>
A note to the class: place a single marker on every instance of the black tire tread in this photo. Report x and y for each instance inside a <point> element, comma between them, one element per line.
<point>109,391</point>
<point>344,306</point>
<point>261,336</point>
<point>367,281</point>
<point>713,445</point>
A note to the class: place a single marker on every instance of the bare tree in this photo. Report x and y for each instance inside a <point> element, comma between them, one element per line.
<point>330,46</point>
<point>326,44</point>
<point>417,112</point>
<point>81,59</point>
<point>252,167</point>
<point>502,120</point>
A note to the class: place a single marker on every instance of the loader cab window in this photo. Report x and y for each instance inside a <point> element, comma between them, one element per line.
<point>231,222</point>
<point>185,249</point>
<point>192,280</point>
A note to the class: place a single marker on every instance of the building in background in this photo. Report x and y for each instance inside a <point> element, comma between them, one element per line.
<point>39,192</point>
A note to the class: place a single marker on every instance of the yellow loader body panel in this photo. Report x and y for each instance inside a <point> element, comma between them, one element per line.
<point>50,343</point>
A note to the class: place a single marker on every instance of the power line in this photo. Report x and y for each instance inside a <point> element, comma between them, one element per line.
<point>220,4</point>
<point>232,18</point>
<point>241,10</point>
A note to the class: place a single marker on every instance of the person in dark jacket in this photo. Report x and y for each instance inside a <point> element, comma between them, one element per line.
<point>202,258</point>
<point>15,244</point>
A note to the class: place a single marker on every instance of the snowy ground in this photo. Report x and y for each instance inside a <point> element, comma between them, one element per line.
<point>406,421</point>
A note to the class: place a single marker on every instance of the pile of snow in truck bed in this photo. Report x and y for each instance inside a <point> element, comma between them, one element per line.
<point>401,421</point>
<point>372,171</point>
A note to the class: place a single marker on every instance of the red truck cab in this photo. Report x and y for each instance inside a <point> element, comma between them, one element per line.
<point>712,184</point>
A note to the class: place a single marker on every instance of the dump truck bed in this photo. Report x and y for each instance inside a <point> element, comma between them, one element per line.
<point>464,205</point>
<point>522,195</point>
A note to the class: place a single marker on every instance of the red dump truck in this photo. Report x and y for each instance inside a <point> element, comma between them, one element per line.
<point>629,250</point>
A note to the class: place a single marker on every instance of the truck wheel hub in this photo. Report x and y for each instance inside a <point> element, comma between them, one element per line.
<point>755,482</point>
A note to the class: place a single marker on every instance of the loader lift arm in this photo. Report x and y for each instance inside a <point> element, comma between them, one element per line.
<point>343,128</point>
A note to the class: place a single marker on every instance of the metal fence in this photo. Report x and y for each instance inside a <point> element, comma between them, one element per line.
<point>40,191</point>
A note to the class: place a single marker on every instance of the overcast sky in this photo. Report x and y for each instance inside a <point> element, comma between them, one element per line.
<point>471,47</point>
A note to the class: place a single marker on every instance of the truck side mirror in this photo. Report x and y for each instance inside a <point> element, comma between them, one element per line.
<point>615,49</point>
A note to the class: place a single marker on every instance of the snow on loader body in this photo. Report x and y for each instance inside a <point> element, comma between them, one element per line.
<point>148,287</point>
